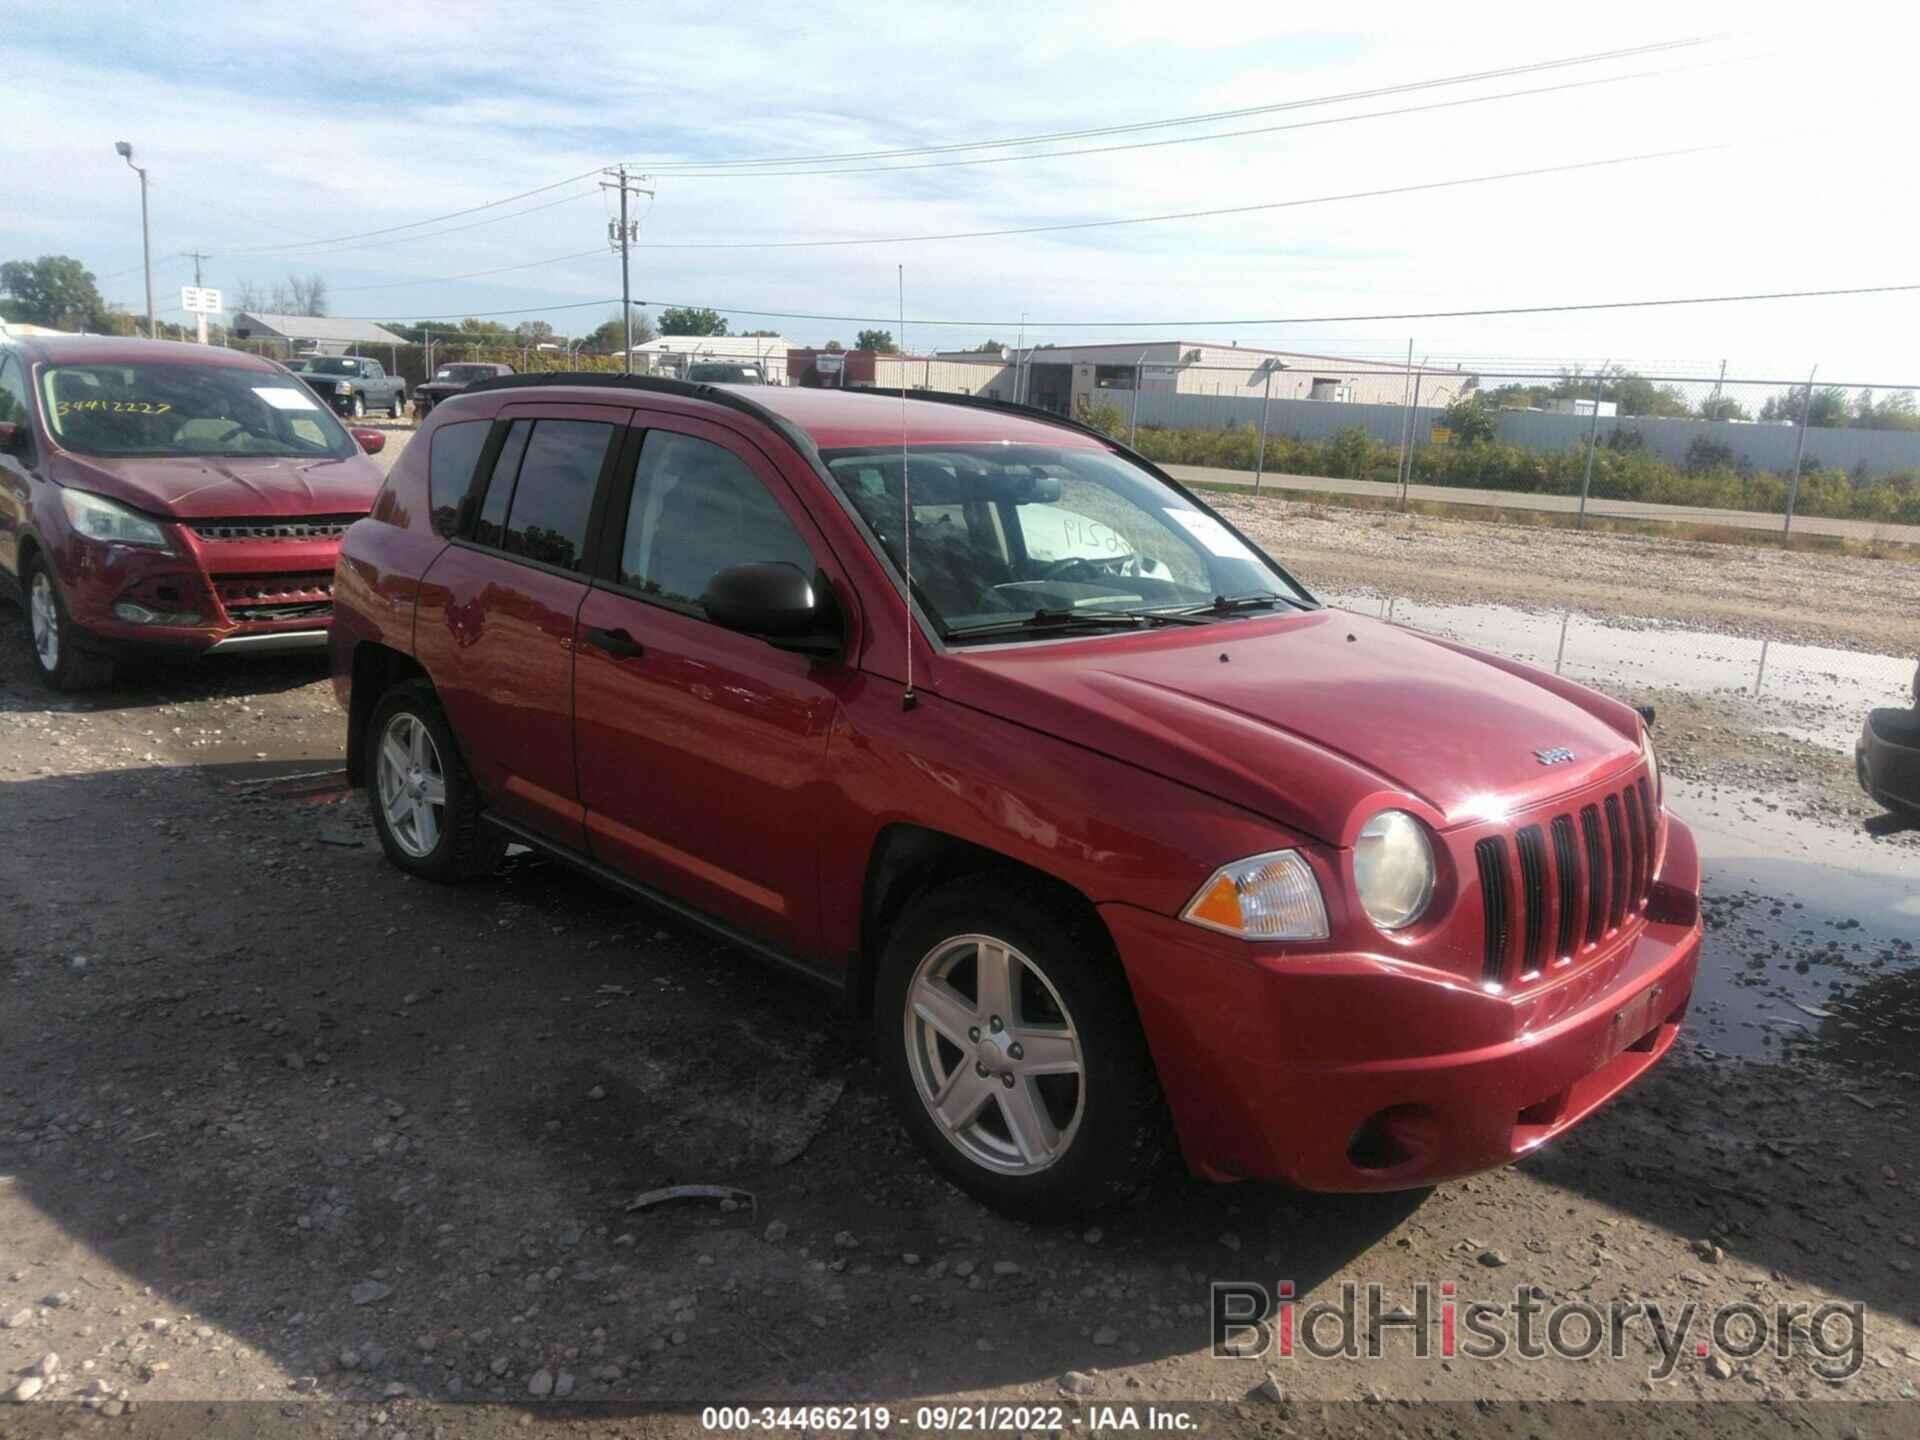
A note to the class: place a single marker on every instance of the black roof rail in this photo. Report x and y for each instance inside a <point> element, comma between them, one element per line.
<point>659,385</point>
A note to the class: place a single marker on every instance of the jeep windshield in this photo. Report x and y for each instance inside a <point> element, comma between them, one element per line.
<point>1021,541</point>
<point>146,409</point>
<point>465,374</point>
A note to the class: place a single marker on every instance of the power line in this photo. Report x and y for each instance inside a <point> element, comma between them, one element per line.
<point>471,274</point>
<point>416,224</point>
<point>390,318</point>
<point>1165,325</point>
<point>1134,127</point>
<point>1189,214</point>
<point>435,234</point>
<point>1193,139</point>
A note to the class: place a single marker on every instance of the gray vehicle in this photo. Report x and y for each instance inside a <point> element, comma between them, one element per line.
<point>450,380</point>
<point>726,372</point>
<point>353,384</point>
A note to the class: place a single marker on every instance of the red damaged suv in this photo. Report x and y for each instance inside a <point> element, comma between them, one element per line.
<point>165,497</point>
<point>1115,822</point>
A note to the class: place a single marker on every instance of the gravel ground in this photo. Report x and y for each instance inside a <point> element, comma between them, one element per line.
<point>1758,591</point>
<point>279,1124</point>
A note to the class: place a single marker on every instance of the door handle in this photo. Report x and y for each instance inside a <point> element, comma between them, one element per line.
<point>617,643</point>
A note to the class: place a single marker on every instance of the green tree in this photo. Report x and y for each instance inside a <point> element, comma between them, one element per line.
<point>1896,412</point>
<point>1470,419</point>
<point>686,320</point>
<point>1828,410</point>
<point>833,347</point>
<point>879,341</point>
<point>1722,407</point>
<point>56,291</point>
<point>608,336</point>
<point>990,347</point>
<point>759,334</point>
<point>533,332</point>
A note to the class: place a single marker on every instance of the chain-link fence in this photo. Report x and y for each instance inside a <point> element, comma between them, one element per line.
<point>1615,442</point>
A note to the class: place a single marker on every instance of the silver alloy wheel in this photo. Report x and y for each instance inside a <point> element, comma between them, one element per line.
<point>44,613</point>
<point>413,786</point>
<point>994,1054</point>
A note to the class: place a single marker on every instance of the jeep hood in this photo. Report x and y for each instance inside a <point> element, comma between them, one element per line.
<point>1310,719</point>
<point>200,487</point>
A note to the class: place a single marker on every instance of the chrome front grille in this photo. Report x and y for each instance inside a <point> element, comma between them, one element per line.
<point>304,527</point>
<point>1560,884</point>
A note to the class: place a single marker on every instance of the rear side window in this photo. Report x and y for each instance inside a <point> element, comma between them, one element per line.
<point>456,451</point>
<point>696,510</point>
<point>547,520</point>
<point>506,469</point>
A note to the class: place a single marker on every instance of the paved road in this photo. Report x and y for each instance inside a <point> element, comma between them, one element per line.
<point>1519,500</point>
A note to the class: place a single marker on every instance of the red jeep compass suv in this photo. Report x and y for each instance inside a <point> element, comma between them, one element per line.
<point>158,496</point>
<point>1113,821</point>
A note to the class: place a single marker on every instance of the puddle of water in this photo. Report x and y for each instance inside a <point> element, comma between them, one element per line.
<point>1813,694</point>
<point>1813,937</point>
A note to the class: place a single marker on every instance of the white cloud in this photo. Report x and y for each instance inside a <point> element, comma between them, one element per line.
<point>260,127</point>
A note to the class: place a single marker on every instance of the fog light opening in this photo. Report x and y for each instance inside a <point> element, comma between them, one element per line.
<point>1391,1138</point>
<point>135,613</point>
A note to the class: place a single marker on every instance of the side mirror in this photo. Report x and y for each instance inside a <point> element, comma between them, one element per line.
<point>13,437</point>
<point>371,441</point>
<point>775,601</point>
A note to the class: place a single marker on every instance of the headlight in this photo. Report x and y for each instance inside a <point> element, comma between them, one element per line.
<point>1264,897</point>
<point>1393,869</point>
<point>342,387</point>
<point>98,518</point>
<point>1653,763</point>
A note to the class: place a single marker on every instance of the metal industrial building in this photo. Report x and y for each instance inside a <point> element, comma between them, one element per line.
<point>1060,377</point>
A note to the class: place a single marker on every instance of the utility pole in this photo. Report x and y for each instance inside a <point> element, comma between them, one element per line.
<point>200,319</point>
<point>624,234</point>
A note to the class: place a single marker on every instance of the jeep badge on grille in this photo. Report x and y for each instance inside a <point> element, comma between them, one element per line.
<point>1556,755</point>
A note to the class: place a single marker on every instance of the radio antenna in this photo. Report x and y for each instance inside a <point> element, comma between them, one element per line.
<point>907,698</point>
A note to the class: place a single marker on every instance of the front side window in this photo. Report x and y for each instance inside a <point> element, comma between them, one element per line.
<point>506,469</point>
<point>1003,532</point>
<point>696,510</point>
<point>187,409</point>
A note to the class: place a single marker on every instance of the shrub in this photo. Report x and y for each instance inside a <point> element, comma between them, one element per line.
<point>1102,415</point>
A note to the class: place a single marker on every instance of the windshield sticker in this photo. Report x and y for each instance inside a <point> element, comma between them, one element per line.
<point>1211,533</point>
<point>285,397</point>
<point>111,407</point>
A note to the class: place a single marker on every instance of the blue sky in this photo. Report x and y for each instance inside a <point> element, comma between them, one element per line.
<point>267,129</point>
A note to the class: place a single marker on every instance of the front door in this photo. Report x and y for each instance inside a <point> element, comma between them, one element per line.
<point>702,751</point>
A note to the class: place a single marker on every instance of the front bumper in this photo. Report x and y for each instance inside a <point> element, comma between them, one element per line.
<point>1350,1072</point>
<point>1887,758</point>
<point>259,596</point>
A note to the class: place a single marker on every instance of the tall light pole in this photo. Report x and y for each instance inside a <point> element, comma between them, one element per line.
<point>124,150</point>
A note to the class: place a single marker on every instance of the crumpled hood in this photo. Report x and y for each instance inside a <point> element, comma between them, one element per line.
<point>207,487</point>
<point>1309,718</point>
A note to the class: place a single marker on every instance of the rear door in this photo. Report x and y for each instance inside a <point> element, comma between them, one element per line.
<point>702,751</point>
<point>495,622</point>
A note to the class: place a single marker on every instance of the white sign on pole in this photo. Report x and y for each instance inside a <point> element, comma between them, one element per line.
<point>196,300</point>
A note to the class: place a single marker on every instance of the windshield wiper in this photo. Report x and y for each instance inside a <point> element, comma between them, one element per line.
<point>1044,621</point>
<point>1232,604</point>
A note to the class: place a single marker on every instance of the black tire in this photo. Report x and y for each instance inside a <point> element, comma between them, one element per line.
<point>399,406</point>
<point>465,846</point>
<point>1117,1144</point>
<point>74,668</point>
<point>358,408</point>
